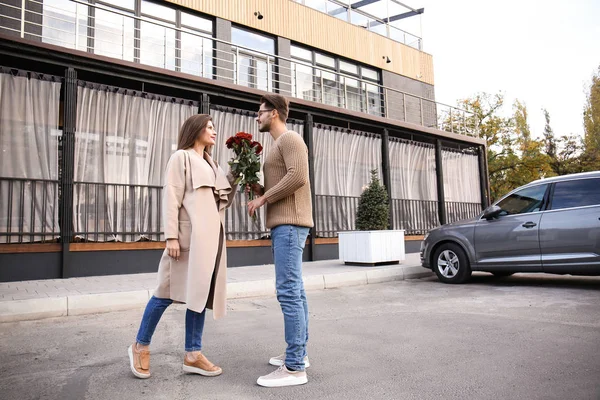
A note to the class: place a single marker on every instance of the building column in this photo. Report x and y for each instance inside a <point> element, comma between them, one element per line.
<point>483,177</point>
<point>385,170</point>
<point>439,173</point>
<point>225,66</point>
<point>67,170</point>
<point>205,104</point>
<point>310,143</point>
<point>283,69</point>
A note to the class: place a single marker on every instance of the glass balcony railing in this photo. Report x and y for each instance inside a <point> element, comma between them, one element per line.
<point>120,35</point>
<point>374,15</point>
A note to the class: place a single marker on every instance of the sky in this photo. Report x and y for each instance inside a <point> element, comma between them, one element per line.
<point>540,52</point>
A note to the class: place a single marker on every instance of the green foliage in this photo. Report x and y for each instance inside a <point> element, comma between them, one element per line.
<point>246,165</point>
<point>591,126</point>
<point>515,157</point>
<point>563,153</point>
<point>373,208</point>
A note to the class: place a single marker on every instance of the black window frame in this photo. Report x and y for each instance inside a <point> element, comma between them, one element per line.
<point>254,58</point>
<point>338,72</point>
<point>136,12</point>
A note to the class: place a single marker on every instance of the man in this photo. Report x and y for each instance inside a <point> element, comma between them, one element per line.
<point>289,216</point>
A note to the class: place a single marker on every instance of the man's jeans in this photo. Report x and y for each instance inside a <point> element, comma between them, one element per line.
<point>288,244</point>
<point>194,324</point>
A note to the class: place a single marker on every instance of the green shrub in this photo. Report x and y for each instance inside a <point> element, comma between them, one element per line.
<point>373,208</point>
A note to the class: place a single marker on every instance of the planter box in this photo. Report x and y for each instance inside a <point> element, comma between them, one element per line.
<point>371,247</point>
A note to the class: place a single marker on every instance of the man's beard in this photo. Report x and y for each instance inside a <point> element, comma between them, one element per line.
<point>266,127</point>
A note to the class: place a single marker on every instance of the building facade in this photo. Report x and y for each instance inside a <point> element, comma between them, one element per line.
<point>93,92</point>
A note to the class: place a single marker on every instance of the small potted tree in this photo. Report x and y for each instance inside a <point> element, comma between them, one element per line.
<point>373,243</point>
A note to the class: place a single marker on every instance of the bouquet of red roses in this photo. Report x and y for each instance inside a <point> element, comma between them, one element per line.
<point>245,165</point>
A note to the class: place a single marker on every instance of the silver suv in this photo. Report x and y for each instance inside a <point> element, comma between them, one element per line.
<point>550,225</point>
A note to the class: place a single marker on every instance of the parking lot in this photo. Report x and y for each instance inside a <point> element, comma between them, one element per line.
<point>524,337</point>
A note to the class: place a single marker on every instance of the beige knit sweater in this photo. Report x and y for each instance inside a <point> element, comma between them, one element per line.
<point>287,187</point>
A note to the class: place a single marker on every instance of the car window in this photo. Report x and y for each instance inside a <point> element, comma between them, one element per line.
<point>523,201</point>
<point>578,193</point>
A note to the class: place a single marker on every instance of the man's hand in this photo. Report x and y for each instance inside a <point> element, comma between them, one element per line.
<point>173,248</point>
<point>256,188</point>
<point>255,205</point>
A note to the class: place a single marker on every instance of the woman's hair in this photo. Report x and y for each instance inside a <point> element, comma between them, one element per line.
<point>191,129</point>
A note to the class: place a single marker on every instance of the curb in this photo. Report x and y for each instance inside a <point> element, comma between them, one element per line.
<point>35,309</point>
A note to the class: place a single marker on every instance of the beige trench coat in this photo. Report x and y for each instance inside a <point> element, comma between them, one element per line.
<point>196,193</point>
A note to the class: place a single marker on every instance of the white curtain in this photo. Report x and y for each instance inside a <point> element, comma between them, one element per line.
<point>343,160</point>
<point>123,142</point>
<point>461,176</point>
<point>414,190</point>
<point>227,123</point>
<point>29,114</point>
<point>412,170</point>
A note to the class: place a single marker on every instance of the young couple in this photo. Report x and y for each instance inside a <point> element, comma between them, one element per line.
<point>193,267</point>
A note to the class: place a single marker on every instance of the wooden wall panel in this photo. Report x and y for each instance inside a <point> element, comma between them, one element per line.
<point>302,24</point>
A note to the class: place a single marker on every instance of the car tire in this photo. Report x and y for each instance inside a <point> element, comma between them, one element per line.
<point>501,274</point>
<point>451,264</point>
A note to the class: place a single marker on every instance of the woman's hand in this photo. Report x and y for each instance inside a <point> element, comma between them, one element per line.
<point>256,188</point>
<point>173,248</point>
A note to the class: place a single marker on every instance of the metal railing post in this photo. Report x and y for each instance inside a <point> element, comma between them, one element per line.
<point>269,77</point>
<point>365,98</point>
<point>295,89</point>
<point>386,103</point>
<point>237,65</point>
<point>122,38</point>
<point>202,58</point>
<point>322,90</point>
<point>165,50</point>
<point>404,106</point>
<point>76,26</point>
<point>23,4</point>
<point>345,95</point>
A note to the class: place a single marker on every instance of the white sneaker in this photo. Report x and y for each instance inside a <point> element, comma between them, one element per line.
<point>280,360</point>
<point>283,377</point>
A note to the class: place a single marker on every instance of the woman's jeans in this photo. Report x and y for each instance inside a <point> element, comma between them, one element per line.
<point>288,243</point>
<point>194,324</point>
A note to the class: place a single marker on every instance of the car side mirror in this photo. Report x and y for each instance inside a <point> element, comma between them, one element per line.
<point>491,212</point>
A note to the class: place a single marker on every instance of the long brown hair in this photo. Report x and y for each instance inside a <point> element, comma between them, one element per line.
<point>191,128</point>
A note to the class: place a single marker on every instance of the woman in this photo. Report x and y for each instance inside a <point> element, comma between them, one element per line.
<point>193,267</point>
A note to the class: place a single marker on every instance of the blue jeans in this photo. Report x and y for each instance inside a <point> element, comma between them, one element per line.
<point>194,324</point>
<point>288,243</point>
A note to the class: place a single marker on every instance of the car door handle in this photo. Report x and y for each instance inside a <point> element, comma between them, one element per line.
<point>529,224</point>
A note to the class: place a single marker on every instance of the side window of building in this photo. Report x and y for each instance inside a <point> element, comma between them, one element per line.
<point>523,201</point>
<point>253,63</point>
<point>577,193</point>
<point>338,82</point>
<point>146,32</point>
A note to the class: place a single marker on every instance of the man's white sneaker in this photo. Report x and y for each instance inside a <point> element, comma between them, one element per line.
<point>283,377</point>
<point>280,360</point>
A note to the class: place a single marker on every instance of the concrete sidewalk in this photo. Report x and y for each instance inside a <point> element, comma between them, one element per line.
<point>31,300</point>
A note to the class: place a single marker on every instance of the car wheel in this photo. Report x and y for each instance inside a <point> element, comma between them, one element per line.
<point>451,264</point>
<point>500,274</point>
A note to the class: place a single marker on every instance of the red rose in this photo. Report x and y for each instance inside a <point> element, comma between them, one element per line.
<point>229,142</point>
<point>258,147</point>
<point>244,136</point>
